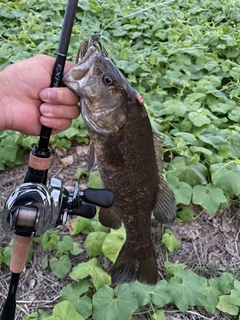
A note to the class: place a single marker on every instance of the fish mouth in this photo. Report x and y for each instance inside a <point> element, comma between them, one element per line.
<point>80,70</point>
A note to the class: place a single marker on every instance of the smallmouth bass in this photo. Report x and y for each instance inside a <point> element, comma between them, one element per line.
<point>129,158</point>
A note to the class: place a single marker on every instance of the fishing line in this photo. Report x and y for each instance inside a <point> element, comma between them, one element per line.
<point>136,12</point>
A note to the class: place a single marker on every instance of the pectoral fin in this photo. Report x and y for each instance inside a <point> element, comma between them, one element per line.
<point>91,157</point>
<point>109,218</point>
<point>112,152</point>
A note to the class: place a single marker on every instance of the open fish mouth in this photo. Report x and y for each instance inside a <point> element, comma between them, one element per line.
<point>80,70</point>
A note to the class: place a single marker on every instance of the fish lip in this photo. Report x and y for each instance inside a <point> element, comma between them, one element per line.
<point>82,67</point>
<point>88,54</point>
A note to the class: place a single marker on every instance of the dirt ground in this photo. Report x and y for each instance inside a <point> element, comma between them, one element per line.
<point>209,245</point>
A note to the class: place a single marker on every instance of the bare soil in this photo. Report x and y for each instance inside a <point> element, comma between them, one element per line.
<point>209,246</point>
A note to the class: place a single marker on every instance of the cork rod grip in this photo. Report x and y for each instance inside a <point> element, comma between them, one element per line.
<point>39,163</point>
<point>21,246</point>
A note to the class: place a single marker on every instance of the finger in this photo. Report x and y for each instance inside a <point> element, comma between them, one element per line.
<point>62,96</point>
<point>57,124</point>
<point>59,111</point>
<point>68,65</point>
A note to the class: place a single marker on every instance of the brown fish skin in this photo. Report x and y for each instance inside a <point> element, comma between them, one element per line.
<point>121,138</point>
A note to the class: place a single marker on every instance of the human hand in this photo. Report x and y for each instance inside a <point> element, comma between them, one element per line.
<point>27,102</point>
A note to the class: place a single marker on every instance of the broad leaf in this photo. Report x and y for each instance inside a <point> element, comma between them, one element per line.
<point>113,243</point>
<point>94,242</point>
<point>114,304</point>
<point>209,197</point>
<point>61,266</point>
<point>91,268</point>
<point>65,311</point>
<point>225,305</point>
<point>226,176</point>
<point>182,190</point>
<point>187,289</point>
<point>186,171</point>
<point>157,294</point>
<point>74,294</point>
<point>170,241</point>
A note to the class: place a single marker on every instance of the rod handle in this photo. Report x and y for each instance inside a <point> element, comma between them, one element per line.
<point>21,246</point>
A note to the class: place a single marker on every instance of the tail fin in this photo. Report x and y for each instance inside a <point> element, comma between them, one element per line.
<point>130,267</point>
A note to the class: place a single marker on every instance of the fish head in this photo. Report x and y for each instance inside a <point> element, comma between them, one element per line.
<point>104,92</point>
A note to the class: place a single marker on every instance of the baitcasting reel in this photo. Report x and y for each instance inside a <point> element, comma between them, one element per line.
<point>33,208</point>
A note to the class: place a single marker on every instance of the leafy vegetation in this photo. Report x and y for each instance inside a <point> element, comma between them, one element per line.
<point>98,300</point>
<point>184,59</point>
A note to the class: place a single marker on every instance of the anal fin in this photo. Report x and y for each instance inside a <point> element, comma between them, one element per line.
<point>130,267</point>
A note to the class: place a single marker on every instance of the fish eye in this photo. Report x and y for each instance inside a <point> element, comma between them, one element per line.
<point>108,80</point>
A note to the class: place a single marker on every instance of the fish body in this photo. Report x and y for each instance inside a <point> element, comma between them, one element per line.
<point>122,142</point>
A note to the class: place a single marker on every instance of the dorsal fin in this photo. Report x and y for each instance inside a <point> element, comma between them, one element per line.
<point>165,207</point>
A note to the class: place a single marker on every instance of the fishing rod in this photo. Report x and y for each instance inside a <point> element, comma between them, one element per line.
<point>34,207</point>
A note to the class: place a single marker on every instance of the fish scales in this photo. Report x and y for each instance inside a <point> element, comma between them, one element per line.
<point>133,181</point>
<point>122,142</point>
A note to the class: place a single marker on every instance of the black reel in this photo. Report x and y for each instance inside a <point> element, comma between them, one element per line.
<point>33,208</point>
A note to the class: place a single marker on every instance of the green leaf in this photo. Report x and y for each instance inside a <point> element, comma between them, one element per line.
<point>186,214</point>
<point>187,289</point>
<point>159,315</point>
<point>236,285</point>
<point>215,141</point>
<point>77,249</point>
<point>187,137</point>
<point>175,107</point>
<point>182,190</point>
<point>212,295</point>
<point>235,297</point>
<point>61,266</point>
<point>198,119</point>
<point>44,263</point>
<point>209,197</point>
<point>7,254</point>
<point>172,268</point>
<point>170,241</point>
<point>94,180</point>
<point>79,225</point>
<point>226,176</point>
<point>157,294</point>
<point>65,311</point>
<point>201,150</point>
<point>191,173</point>
<point>71,132</point>
<point>66,244</point>
<point>100,278</point>
<point>94,242</point>
<point>92,268</point>
<point>97,226</point>
<point>39,315</point>
<point>114,304</point>
<point>225,305</point>
<point>48,240</point>
<point>235,73</point>
<point>113,243</point>
<point>80,172</point>
<point>74,294</point>
<point>235,144</point>
<point>225,283</point>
